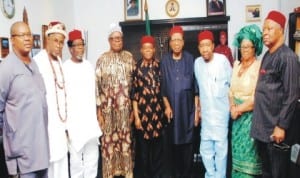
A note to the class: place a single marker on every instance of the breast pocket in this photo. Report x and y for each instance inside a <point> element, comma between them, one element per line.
<point>220,86</point>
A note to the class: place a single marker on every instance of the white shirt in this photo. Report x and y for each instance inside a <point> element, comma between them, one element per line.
<point>213,80</point>
<point>82,121</point>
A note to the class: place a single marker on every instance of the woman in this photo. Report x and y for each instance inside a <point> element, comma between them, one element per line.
<point>245,159</point>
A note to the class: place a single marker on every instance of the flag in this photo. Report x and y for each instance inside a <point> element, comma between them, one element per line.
<point>148,32</point>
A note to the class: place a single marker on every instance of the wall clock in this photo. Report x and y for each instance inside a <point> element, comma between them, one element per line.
<point>8,8</point>
<point>172,8</point>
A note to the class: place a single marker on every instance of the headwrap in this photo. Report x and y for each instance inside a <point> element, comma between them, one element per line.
<point>277,17</point>
<point>205,35</point>
<point>74,35</point>
<point>114,28</point>
<point>176,29</point>
<point>56,27</point>
<point>252,33</point>
<point>147,39</point>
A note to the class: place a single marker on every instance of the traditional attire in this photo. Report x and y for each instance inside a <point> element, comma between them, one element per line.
<point>146,91</point>
<point>179,87</point>
<point>113,83</point>
<point>84,130</point>
<point>56,100</point>
<point>245,159</point>
<point>276,96</point>
<point>213,79</point>
<point>23,112</point>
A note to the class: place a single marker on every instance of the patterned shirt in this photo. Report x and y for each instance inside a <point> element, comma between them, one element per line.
<point>146,91</point>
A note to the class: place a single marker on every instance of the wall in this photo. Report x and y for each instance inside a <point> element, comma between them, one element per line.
<point>94,16</point>
<point>98,15</point>
<point>39,12</point>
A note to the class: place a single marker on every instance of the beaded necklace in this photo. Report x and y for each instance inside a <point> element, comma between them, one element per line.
<point>60,86</point>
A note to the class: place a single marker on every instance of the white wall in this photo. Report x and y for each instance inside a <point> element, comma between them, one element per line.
<point>40,12</point>
<point>95,16</point>
<point>98,15</point>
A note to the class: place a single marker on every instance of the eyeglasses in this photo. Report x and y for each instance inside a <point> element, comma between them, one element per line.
<point>116,38</point>
<point>78,45</point>
<point>22,36</point>
<point>246,47</point>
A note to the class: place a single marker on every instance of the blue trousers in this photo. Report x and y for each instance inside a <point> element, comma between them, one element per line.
<point>214,157</point>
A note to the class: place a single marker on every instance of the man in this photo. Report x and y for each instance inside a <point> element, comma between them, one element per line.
<point>179,93</point>
<point>216,6</point>
<point>148,110</point>
<point>84,130</point>
<point>276,96</point>
<point>23,109</point>
<point>49,63</point>
<point>222,48</point>
<point>213,74</point>
<point>133,8</point>
<point>114,108</point>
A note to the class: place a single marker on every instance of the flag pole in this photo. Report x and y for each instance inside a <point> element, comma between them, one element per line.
<point>148,31</point>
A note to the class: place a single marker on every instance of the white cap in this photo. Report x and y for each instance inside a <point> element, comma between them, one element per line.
<point>114,28</point>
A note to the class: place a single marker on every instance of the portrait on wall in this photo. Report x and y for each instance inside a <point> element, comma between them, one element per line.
<point>36,47</point>
<point>216,7</point>
<point>253,13</point>
<point>36,41</point>
<point>133,10</point>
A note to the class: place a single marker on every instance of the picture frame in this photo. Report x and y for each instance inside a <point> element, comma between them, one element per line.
<point>36,47</point>
<point>36,41</point>
<point>253,13</point>
<point>133,10</point>
<point>216,7</point>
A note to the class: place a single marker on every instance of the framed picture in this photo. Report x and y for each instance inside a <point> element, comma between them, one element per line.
<point>216,7</point>
<point>253,13</point>
<point>133,10</point>
<point>36,47</point>
<point>36,41</point>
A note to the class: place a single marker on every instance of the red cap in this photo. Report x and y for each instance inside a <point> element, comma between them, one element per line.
<point>56,27</point>
<point>176,29</point>
<point>148,39</point>
<point>74,35</point>
<point>277,17</point>
<point>206,34</point>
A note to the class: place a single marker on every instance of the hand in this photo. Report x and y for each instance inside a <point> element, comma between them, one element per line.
<point>197,118</point>
<point>234,112</point>
<point>138,124</point>
<point>169,113</point>
<point>278,134</point>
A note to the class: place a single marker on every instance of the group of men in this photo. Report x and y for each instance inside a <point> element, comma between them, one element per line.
<point>45,111</point>
<point>48,108</point>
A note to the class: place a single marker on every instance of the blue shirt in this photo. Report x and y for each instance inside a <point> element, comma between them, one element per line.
<point>23,111</point>
<point>179,87</point>
<point>213,80</point>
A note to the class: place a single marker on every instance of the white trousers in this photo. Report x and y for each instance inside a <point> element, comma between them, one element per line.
<point>214,157</point>
<point>59,169</point>
<point>84,164</point>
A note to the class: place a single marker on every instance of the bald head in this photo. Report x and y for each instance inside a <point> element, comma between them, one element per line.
<point>15,26</point>
<point>21,38</point>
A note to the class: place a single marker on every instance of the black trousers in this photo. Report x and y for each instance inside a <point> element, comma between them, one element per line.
<point>149,157</point>
<point>275,161</point>
<point>178,159</point>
